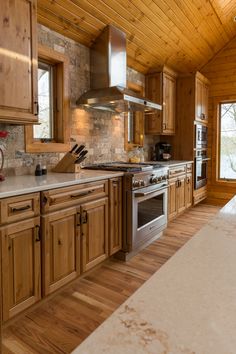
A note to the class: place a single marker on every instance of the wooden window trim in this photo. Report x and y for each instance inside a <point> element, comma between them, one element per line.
<point>216,142</point>
<point>139,116</point>
<point>62,117</point>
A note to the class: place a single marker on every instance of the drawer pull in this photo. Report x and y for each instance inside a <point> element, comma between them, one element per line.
<point>26,207</point>
<point>82,194</point>
<point>177,171</point>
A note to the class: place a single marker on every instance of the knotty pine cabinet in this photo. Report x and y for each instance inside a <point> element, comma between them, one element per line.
<point>21,255</point>
<point>18,58</point>
<point>201,98</point>
<point>94,233</point>
<point>179,190</point>
<point>61,248</point>
<point>161,88</point>
<point>74,232</point>
<point>79,227</point>
<point>115,215</point>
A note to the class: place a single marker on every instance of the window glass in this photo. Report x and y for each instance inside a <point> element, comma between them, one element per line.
<point>45,101</point>
<point>227,157</point>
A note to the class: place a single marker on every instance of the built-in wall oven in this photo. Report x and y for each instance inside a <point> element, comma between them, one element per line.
<point>201,161</point>
<point>201,136</point>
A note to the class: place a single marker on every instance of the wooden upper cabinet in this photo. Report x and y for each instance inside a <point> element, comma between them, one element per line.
<point>201,98</point>
<point>21,266</point>
<point>18,62</point>
<point>161,88</point>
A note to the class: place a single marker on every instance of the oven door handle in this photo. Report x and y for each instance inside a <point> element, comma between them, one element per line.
<point>143,194</point>
<point>203,159</point>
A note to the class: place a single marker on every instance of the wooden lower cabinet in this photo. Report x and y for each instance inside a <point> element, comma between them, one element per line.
<point>115,215</point>
<point>181,206</point>
<point>61,248</point>
<point>172,199</point>
<point>94,232</point>
<point>179,195</point>
<point>21,266</point>
<point>188,190</point>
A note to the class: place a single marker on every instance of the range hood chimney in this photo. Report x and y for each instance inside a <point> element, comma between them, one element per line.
<point>108,77</point>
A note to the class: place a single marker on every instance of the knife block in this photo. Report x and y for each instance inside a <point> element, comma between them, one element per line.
<point>67,164</point>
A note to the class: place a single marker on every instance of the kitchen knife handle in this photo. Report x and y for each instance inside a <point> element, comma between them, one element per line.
<point>73,149</point>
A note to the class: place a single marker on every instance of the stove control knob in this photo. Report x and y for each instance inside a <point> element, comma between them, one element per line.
<point>154,179</point>
<point>160,179</point>
<point>136,184</point>
<point>164,178</point>
<point>142,183</point>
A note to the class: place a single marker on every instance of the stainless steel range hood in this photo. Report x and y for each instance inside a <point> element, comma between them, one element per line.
<point>108,77</point>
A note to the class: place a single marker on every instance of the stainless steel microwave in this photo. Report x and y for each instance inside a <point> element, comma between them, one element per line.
<point>201,136</point>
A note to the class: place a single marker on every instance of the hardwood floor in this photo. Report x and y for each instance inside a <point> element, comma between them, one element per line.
<point>63,322</point>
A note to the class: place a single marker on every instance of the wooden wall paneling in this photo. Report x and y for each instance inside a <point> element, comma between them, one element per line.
<point>221,71</point>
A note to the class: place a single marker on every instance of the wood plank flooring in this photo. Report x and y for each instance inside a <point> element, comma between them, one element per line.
<point>62,323</point>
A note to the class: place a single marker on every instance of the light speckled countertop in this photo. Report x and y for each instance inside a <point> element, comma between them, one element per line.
<point>18,185</point>
<point>173,163</point>
<point>186,307</point>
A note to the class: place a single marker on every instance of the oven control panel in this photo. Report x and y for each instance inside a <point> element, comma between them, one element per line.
<point>155,177</point>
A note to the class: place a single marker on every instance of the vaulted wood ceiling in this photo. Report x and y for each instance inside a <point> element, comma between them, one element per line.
<point>184,34</point>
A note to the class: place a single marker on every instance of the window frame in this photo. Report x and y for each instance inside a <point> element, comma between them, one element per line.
<point>139,121</point>
<point>217,112</point>
<point>61,117</point>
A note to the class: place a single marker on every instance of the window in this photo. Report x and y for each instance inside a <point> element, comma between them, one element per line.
<point>227,140</point>
<point>46,83</point>
<point>52,133</point>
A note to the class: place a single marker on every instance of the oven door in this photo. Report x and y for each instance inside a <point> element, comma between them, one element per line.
<point>201,136</point>
<point>149,213</point>
<point>200,179</point>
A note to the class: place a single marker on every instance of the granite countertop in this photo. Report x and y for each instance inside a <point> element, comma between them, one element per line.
<point>186,307</point>
<point>18,185</point>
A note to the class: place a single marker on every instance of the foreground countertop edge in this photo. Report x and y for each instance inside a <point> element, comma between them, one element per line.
<point>20,185</point>
<point>186,307</point>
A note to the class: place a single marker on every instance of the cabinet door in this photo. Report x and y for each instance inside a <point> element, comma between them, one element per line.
<point>153,122</point>
<point>169,104</point>
<point>18,58</point>
<point>181,194</point>
<point>61,249</point>
<point>94,217</point>
<point>205,94</point>
<point>198,100</point>
<point>188,190</point>
<point>21,276</point>
<point>115,215</point>
<point>172,199</point>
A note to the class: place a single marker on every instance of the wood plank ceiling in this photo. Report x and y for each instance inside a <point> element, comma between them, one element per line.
<point>184,34</point>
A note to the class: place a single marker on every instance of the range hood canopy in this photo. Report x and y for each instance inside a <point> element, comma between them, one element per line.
<point>108,77</point>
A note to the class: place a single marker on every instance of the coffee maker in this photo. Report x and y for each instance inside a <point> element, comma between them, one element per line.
<point>162,151</point>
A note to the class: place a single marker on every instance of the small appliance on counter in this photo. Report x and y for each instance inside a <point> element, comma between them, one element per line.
<point>162,151</point>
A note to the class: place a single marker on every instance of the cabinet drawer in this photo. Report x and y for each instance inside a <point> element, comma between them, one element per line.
<point>63,197</point>
<point>176,171</point>
<point>19,208</point>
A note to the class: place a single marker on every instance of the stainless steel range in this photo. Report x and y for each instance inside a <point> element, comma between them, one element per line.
<point>144,203</point>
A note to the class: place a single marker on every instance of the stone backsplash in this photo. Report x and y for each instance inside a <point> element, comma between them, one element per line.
<point>102,133</point>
